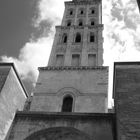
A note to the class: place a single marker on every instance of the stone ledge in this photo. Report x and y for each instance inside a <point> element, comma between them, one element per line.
<point>61,115</point>
<point>82,2</point>
<point>73,68</point>
<point>81,27</point>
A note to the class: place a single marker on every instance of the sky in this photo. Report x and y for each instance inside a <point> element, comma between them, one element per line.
<point>27,28</point>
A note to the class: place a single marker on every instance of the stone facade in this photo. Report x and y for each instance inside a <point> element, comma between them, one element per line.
<point>88,85</point>
<point>83,18</point>
<point>12,96</point>
<point>75,63</point>
<point>62,126</point>
<point>127,100</point>
<point>70,97</point>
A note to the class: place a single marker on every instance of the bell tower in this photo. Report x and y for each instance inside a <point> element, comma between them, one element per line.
<point>75,80</point>
<point>71,93</point>
<point>78,40</point>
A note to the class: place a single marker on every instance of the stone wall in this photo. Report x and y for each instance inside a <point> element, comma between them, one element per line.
<point>88,88</point>
<point>12,98</point>
<point>127,100</point>
<point>37,125</point>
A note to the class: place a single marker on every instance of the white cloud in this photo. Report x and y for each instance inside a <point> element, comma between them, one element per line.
<point>32,55</point>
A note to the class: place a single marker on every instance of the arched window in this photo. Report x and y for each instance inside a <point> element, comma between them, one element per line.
<point>92,37</point>
<point>71,12</point>
<point>92,11</point>
<point>92,23</point>
<point>78,38</point>
<point>69,23</point>
<point>67,104</point>
<point>80,23</point>
<point>82,12</point>
<point>64,38</point>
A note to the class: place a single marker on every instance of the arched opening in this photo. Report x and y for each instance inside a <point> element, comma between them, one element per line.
<point>81,12</point>
<point>92,38</point>
<point>78,38</point>
<point>80,23</point>
<point>92,11</point>
<point>92,23</point>
<point>64,38</point>
<point>67,104</point>
<point>59,133</point>
<point>71,12</point>
<point>69,23</point>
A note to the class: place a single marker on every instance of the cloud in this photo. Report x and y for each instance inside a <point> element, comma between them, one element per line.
<point>121,20</point>
<point>32,55</point>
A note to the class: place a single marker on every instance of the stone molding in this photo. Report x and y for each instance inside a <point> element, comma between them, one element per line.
<point>50,68</point>
<point>80,94</point>
<point>52,115</point>
<point>80,27</point>
<point>82,2</point>
<point>74,92</point>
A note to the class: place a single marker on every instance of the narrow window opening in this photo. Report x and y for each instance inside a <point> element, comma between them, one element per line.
<point>67,104</point>
<point>92,11</point>
<point>69,23</point>
<point>71,12</point>
<point>65,38</point>
<point>92,23</point>
<point>92,38</point>
<point>81,12</point>
<point>78,38</point>
<point>80,23</point>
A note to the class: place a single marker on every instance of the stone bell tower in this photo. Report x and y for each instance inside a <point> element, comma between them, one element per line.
<point>75,78</point>
<point>78,41</point>
<point>70,97</point>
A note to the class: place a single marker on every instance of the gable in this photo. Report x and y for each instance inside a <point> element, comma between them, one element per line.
<point>4,71</point>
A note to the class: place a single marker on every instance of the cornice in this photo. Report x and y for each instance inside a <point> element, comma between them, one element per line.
<point>79,93</point>
<point>82,2</point>
<point>60,68</point>
<point>80,27</point>
<point>62,115</point>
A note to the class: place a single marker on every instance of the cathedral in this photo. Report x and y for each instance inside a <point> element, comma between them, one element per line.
<point>70,100</point>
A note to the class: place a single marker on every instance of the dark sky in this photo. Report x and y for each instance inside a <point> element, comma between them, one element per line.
<point>15,25</point>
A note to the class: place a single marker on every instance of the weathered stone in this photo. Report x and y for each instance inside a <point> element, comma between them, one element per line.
<point>127,100</point>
